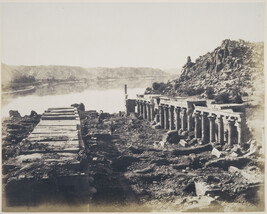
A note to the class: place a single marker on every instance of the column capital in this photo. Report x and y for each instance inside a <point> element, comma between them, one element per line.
<point>219,119</point>
<point>204,114</point>
<point>166,107</point>
<point>219,116</point>
<point>197,113</point>
<point>231,122</point>
<point>211,117</point>
<point>238,124</point>
<point>177,108</point>
<point>183,110</point>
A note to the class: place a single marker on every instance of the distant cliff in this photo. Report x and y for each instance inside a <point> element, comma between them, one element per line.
<point>231,72</point>
<point>11,74</point>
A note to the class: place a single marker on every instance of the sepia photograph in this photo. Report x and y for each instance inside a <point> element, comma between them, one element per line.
<point>135,106</point>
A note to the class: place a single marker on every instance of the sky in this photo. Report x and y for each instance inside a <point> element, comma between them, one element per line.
<point>159,35</point>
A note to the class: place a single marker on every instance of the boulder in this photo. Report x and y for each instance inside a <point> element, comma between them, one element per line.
<point>171,137</point>
<point>14,114</point>
<point>33,114</point>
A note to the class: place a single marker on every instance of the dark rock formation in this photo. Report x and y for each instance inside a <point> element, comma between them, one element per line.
<point>14,114</point>
<point>234,68</point>
<point>80,106</point>
<point>33,114</point>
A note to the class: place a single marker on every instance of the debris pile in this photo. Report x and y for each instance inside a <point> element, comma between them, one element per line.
<point>137,164</point>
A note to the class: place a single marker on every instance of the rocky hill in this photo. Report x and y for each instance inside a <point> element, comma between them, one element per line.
<point>230,73</point>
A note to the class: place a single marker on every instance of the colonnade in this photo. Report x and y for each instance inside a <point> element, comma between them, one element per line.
<point>146,110</point>
<point>207,125</point>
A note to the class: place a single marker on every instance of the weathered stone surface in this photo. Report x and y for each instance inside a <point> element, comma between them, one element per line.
<point>52,151</point>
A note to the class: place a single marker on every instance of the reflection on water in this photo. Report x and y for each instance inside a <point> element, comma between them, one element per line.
<point>106,95</point>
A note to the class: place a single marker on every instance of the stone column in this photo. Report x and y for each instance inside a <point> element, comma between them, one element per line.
<point>177,118</point>
<point>230,131</point>
<point>189,121</point>
<point>144,111</point>
<point>152,112</point>
<point>166,117</point>
<point>161,116</point>
<point>171,116</point>
<point>240,125</point>
<point>138,108</point>
<point>220,129</point>
<point>204,134</point>
<point>197,125</point>
<point>148,112</point>
<point>183,119</point>
<point>212,128</point>
<point>141,109</point>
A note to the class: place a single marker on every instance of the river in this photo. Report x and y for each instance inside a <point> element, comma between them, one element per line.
<point>109,100</point>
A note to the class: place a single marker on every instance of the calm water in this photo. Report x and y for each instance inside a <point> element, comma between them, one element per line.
<point>108,100</point>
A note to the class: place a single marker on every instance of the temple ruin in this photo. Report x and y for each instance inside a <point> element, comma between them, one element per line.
<point>196,118</point>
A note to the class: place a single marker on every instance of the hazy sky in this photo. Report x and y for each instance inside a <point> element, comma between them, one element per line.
<point>123,34</point>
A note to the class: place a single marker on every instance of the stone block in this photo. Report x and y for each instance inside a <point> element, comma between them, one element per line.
<point>233,169</point>
<point>201,188</point>
<point>234,154</point>
<point>216,152</point>
<point>183,143</point>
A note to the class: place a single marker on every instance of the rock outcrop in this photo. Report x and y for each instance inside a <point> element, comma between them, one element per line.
<point>234,68</point>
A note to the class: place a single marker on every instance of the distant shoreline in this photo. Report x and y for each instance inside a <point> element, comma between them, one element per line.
<point>29,88</point>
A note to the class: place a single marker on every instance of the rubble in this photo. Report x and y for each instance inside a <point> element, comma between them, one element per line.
<point>135,166</point>
<point>153,169</point>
